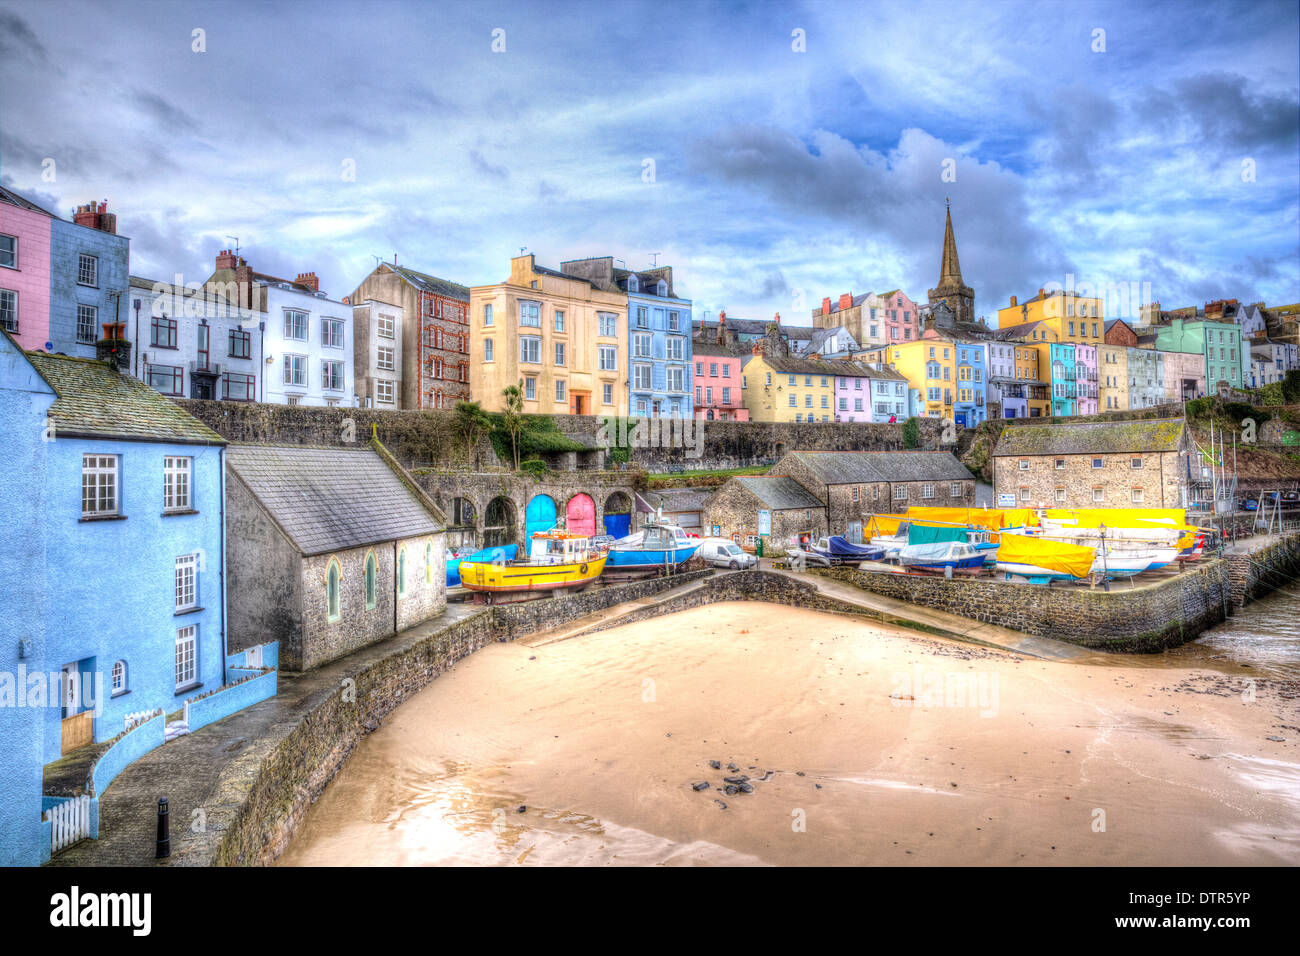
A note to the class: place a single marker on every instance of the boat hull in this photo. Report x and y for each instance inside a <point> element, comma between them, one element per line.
<point>502,578</point>
<point>627,560</point>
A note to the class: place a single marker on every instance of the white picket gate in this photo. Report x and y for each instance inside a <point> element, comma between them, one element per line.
<point>69,822</point>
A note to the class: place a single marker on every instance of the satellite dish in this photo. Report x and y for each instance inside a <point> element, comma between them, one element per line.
<point>49,346</point>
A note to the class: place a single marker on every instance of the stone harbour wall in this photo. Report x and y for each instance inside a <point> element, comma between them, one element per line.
<point>1145,619</point>
<point>1267,569</point>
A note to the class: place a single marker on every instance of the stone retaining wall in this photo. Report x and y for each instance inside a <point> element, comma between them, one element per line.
<point>1267,569</point>
<point>1144,619</point>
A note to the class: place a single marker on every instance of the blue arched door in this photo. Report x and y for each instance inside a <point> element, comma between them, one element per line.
<point>539,516</point>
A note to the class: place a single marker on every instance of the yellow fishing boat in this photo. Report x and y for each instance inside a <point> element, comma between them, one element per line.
<point>556,560</point>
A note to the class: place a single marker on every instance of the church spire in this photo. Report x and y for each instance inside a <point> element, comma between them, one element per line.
<point>949,267</point>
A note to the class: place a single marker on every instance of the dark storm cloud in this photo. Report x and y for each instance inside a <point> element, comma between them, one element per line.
<point>18,41</point>
<point>162,112</point>
<point>1221,109</point>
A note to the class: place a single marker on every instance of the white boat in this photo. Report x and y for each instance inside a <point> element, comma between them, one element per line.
<point>941,556</point>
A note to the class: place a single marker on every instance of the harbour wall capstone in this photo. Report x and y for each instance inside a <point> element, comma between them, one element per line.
<point>265,790</point>
<point>1143,619</point>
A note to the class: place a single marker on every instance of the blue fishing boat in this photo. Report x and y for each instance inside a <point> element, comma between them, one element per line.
<point>839,550</point>
<point>487,556</point>
<point>656,546</point>
<point>942,555</point>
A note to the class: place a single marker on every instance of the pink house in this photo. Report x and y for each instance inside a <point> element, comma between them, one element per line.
<point>24,270</point>
<point>718,383</point>
<point>1085,370</point>
<point>852,393</point>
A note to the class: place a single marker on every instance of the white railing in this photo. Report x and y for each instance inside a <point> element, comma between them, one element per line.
<point>139,717</point>
<point>69,822</point>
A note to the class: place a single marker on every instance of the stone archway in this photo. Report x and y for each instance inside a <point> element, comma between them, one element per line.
<point>499,523</point>
<point>618,514</point>
<point>580,514</point>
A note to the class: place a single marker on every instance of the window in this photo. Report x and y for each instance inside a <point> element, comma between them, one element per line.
<point>386,327</point>
<point>674,322</point>
<point>676,349</point>
<point>1024,464</point>
<point>186,582</point>
<point>98,485</point>
<point>956,490</point>
<point>487,351</point>
<point>384,392</point>
<point>825,401</point>
<point>9,252</point>
<point>530,349</point>
<point>1060,493</point>
<point>641,376</point>
<point>401,573</point>
<point>677,379</point>
<point>559,320</point>
<point>900,492</point>
<point>1097,463</point>
<point>1137,496</point>
<point>807,401</point>
<point>331,376</point>
<point>559,390</point>
<point>386,357</point>
<point>333,591</point>
<point>640,407</point>
<point>176,483</point>
<point>1135,462</point>
<point>9,310</point>
<point>559,353</point>
<point>1059,464</point>
<point>792,399</point>
<point>331,333</point>
<point>86,324</point>
<point>642,317</point>
<point>487,313</point>
<point>530,314</point>
<point>238,388</point>
<point>168,379</point>
<point>605,323</point>
<point>295,325</point>
<point>119,678</point>
<point>530,388</point>
<point>641,345</point>
<point>726,371</point>
<point>1098,494</point>
<point>607,394</point>
<point>295,370</point>
<point>187,657</point>
<point>927,491</point>
<point>87,270</point>
<point>240,345</point>
<point>372,582</point>
<point>726,396</point>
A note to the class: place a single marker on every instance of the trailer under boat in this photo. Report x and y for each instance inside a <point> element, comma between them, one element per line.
<point>558,562</point>
<point>656,547</point>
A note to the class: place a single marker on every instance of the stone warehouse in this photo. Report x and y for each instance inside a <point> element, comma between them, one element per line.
<point>1119,464</point>
<point>853,485</point>
<point>329,550</point>
<point>795,511</point>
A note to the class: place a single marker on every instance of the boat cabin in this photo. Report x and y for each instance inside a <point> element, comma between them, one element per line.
<point>559,547</point>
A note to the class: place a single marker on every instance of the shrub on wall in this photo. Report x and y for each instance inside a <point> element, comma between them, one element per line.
<point>911,433</point>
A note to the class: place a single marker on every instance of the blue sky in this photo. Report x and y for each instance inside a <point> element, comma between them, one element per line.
<point>780,177</point>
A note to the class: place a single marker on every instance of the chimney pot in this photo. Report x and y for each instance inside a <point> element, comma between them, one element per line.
<point>846,301</point>
<point>1013,300</point>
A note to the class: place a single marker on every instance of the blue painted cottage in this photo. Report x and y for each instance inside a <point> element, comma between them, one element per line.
<point>88,278</point>
<point>969,408</point>
<point>115,603</point>
<point>659,345</point>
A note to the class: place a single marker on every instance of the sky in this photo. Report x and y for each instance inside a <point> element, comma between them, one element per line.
<point>772,154</point>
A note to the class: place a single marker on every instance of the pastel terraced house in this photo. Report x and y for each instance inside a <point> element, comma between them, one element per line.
<point>871,319</point>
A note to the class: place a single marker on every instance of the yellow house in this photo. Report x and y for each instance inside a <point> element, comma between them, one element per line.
<point>1112,377</point>
<point>1033,342</point>
<point>561,339</point>
<point>1074,318</point>
<point>780,388</point>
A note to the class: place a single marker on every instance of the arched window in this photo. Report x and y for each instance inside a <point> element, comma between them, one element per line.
<point>437,338</point>
<point>428,563</point>
<point>333,590</point>
<point>401,573</point>
<point>372,582</point>
<point>662,288</point>
<point>437,368</point>
<point>119,678</point>
<point>632,284</point>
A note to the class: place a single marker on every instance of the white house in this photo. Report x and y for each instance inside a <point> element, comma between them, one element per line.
<point>377,343</point>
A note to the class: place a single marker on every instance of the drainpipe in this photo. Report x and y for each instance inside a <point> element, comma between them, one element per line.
<point>394,585</point>
<point>135,352</point>
<point>221,462</point>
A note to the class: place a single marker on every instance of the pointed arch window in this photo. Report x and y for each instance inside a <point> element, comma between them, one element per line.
<point>401,573</point>
<point>333,590</point>
<point>372,582</point>
<point>428,563</point>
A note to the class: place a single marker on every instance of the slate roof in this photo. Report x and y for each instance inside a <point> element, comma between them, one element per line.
<point>777,492</point>
<point>1020,330</point>
<point>863,467</point>
<point>677,499</point>
<point>428,283</point>
<point>16,200</point>
<point>331,499</point>
<point>798,365</point>
<point>95,400</point>
<point>1091,438</point>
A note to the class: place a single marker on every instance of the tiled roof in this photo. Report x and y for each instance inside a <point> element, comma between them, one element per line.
<point>331,499</point>
<point>428,283</point>
<point>777,492</point>
<point>861,467</point>
<point>1086,438</point>
<point>96,400</point>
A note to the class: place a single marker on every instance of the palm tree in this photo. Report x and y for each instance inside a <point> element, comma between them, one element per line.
<point>513,417</point>
<point>473,423</point>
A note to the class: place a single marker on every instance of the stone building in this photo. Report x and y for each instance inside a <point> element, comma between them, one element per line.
<point>377,353</point>
<point>434,370</point>
<point>872,319</point>
<point>793,510</point>
<point>1094,464</point>
<point>1184,375</point>
<point>329,550</point>
<point>853,485</point>
<point>951,291</point>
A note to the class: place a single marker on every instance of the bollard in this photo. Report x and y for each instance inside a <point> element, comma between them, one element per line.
<point>164,847</point>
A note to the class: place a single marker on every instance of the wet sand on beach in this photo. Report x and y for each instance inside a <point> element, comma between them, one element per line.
<point>863,744</point>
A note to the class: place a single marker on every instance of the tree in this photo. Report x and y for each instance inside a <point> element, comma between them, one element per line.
<point>472,423</point>
<point>513,417</point>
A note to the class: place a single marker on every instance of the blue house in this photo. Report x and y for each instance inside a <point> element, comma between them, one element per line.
<point>114,603</point>
<point>88,278</point>
<point>660,362</point>
<point>969,408</point>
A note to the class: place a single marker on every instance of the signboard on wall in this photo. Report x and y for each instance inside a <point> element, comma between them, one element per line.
<point>765,522</point>
<point>1007,501</point>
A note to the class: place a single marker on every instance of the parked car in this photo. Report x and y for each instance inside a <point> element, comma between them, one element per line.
<point>722,553</point>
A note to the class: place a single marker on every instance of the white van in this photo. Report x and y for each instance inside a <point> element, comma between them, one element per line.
<point>722,553</point>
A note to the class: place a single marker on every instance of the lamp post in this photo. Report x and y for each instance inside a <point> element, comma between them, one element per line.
<point>1105,581</point>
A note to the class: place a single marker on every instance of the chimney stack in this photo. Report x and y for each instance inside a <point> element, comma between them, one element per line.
<point>777,318</point>
<point>722,328</point>
<point>225,260</point>
<point>1041,292</point>
<point>826,306</point>
<point>1013,300</point>
<point>846,301</point>
<point>309,279</point>
<point>96,216</point>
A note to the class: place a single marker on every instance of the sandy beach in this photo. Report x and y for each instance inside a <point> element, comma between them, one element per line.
<point>862,745</point>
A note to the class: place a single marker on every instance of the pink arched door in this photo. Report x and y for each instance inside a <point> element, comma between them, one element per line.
<point>580,514</point>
